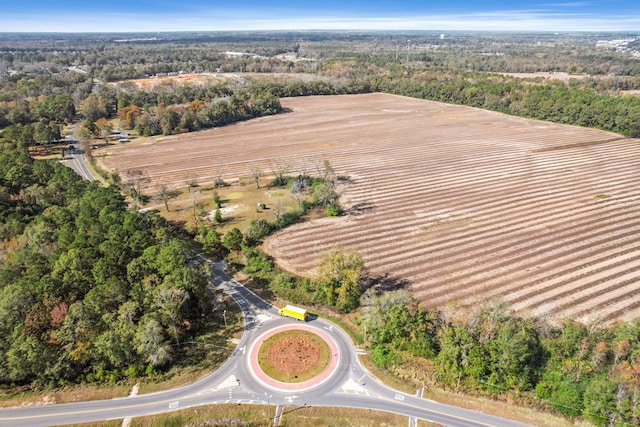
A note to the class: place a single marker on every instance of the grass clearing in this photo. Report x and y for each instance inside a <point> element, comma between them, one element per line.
<point>239,205</point>
<point>312,416</point>
<point>225,414</point>
<point>110,423</point>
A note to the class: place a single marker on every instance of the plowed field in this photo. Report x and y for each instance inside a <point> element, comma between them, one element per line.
<point>462,204</point>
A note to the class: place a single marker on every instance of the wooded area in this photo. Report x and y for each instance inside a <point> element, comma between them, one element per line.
<point>91,290</point>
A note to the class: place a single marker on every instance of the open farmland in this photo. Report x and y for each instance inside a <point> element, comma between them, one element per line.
<point>462,204</point>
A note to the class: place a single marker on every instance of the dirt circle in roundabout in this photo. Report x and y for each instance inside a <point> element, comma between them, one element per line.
<point>294,356</point>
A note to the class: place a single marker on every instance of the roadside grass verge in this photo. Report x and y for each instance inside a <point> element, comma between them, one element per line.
<point>261,416</point>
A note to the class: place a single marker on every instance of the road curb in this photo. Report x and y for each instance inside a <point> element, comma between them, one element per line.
<point>314,382</point>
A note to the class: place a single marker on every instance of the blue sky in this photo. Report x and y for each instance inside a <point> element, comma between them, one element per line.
<point>211,15</point>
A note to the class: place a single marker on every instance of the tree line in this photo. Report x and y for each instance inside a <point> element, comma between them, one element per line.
<point>113,57</point>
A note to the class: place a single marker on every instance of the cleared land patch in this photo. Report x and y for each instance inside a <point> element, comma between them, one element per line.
<point>463,204</point>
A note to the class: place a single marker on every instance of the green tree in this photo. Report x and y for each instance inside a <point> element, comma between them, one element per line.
<point>93,108</point>
<point>213,243</point>
<point>461,356</point>
<point>27,358</point>
<point>337,281</point>
<point>218,216</point>
<point>46,133</point>
<point>562,393</point>
<point>169,302</point>
<point>233,239</point>
<point>257,229</point>
<point>516,355</point>
<point>58,109</point>
<point>600,402</point>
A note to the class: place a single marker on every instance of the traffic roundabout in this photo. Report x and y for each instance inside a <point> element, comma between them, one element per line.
<point>294,358</point>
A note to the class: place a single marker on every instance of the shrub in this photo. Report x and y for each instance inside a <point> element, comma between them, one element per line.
<point>258,263</point>
<point>383,356</point>
<point>257,229</point>
<point>333,210</point>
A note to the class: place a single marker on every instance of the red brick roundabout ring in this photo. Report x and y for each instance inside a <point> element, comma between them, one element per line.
<point>316,381</point>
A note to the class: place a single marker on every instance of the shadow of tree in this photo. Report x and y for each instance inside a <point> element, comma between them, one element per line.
<point>384,283</point>
<point>360,208</point>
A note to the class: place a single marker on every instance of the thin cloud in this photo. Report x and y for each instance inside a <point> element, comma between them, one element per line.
<point>520,20</point>
<point>569,4</point>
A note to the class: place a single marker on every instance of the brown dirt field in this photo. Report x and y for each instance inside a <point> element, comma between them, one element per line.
<point>459,204</point>
<point>195,79</point>
<point>551,75</point>
<point>292,355</point>
<point>151,82</point>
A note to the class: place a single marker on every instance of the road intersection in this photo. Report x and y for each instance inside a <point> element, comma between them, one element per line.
<point>347,384</point>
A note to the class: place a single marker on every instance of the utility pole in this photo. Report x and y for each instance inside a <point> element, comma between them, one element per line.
<point>268,396</point>
<point>365,335</point>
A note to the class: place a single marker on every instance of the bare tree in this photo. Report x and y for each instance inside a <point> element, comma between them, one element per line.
<point>327,193</point>
<point>197,211</point>
<point>218,172</point>
<point>317,164</point>
<point>323,168</point>
<point>328,174</point>
<point>302,166</point>
<point>280,167</point>
<point>136,179</point>
<point>298,190</point>
<point>191,182</point>
<point>167,194</point>
<point>255,173</point>
<point>279,210</point>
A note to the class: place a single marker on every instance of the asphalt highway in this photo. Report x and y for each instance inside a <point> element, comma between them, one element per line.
<point>75,157</point>
<point>349,384</point>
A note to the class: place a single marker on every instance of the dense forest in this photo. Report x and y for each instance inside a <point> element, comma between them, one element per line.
<point>92,290</point>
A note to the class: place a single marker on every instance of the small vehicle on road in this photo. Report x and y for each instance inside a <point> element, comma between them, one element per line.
<point>295,312</point>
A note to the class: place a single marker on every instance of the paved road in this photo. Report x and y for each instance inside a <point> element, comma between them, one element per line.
<point>75,157</point>
<point>234,382</point>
